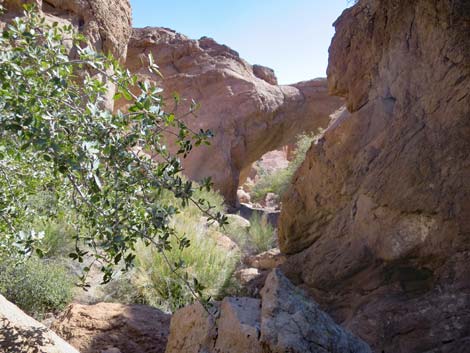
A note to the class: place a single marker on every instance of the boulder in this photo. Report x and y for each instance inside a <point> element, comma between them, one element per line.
<point>248,115</point>
<point>377,221</point>
<point>237,221</point>
<point>246,275</point>
<point>290,322</point>
<point>284,320</point>
<point>21,333</point>
<point>265,73</point>
<point>267,260</point>
<point>192,330</point>
<point>114,328</point>
<point>243,196</point>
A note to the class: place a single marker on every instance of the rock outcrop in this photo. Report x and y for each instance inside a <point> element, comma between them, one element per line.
<point>241,104</point>
<point>21,333</point>
<point>105,23</point>
<point>116,328</point>
<point>377,222</point>
<point>284,320</point>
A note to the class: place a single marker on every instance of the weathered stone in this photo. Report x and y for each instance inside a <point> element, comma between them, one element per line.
<point>265,73</point>
<point>290,322</point>
<point>248,115</point>
<point>246,275</point>
<point>114,327</point>
<point>237,221</point>
<point>106,24</point>
<point>285,320</point>
<point>193,330</point>
<point>21,333</point>
<point>267,260</point>
<point>243,196</point>
<point>238,327</point>
<point>377,222</point>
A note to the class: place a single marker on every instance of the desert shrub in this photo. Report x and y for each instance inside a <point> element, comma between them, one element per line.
<point>36,286</point>
<point>278,181</point>
<point>204,263</point>
<point>261,233</point>
<point>259,237</point>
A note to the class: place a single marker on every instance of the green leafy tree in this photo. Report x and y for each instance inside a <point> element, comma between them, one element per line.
<point>55,137</point>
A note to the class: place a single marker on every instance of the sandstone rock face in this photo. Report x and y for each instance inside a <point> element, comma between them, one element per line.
<point>284,320</point>
<point>114,328</point>
<point>106,23</point>
<point>377,222</point>
<point>241,104</point>
<point>21,333</point>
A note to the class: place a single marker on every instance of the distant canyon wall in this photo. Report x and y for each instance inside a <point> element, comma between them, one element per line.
<point>242,104</point>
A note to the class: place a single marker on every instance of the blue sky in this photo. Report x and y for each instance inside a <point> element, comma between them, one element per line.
<point>290,36</point>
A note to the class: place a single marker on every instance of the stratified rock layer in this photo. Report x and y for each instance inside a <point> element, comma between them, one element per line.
<point>109,327</point>
<point>284,320</point>
<point>377,222</point>
<point>241,104</point>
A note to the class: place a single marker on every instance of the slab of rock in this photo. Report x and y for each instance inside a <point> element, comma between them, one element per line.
<point>290,322</point>
<point>114,328</point>
<point>238,328</point>
<point>241,104</point>
<point>285,320</point>
<point>377,222</point>
<point>20,333</point>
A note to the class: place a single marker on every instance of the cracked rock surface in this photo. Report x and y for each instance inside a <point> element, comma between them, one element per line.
<point>377,223</point>
<point>284,320</point>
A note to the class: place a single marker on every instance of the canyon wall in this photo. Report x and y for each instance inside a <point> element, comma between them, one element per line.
<point>377,221</point>
<point>241,104</point>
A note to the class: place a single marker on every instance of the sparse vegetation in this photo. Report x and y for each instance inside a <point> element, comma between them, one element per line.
<point>261,233</point>
<point>278,181</point>
<point>259,237</point>
<point>36,286</point>
<point>211,265</point>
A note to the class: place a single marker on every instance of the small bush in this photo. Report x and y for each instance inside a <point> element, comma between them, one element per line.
<point>278,181</point>
<point>153,282</point>
<point>36,286</point>
<point>259,237</point>
<point>261,234</point>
